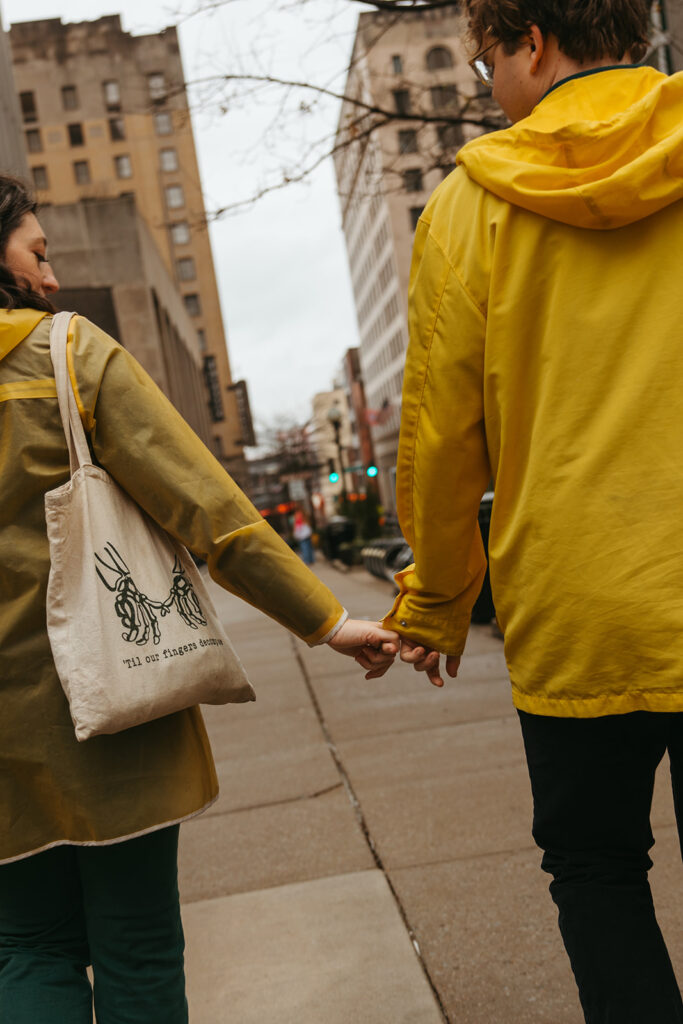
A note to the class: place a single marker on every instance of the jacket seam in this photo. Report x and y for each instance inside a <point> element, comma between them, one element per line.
<point>587,699</point>
<point>437,312</point>
<point>456,273</point>
<point>86,418</point>
<point>421,401</point>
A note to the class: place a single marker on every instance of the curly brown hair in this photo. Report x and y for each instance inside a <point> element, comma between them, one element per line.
<point>16,201</point>
<point>586,30</point>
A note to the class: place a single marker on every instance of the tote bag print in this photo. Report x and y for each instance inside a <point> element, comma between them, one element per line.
<point>133,632</point>
<point>140,615</point>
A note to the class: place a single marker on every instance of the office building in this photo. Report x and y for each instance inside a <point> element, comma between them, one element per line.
<point>414,69</point>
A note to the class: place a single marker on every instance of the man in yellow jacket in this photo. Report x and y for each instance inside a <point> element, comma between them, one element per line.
<point>546,353</point>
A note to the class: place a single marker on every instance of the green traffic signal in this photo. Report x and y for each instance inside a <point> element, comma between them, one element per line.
<point>371,471</point>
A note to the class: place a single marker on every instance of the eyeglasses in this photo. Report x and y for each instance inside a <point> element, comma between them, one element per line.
<point>482,68</point>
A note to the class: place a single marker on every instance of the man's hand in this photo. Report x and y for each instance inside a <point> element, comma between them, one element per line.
<point>373,648</point>
<point>425,659</point>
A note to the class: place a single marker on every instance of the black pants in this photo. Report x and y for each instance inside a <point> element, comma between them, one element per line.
<point>592,781</point>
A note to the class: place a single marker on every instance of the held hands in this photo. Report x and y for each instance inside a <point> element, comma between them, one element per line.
<point>373,647</point>
<point>425,659</point>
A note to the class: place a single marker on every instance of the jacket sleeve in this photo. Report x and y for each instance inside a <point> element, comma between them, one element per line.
<point>142,441</point>
<point>443,466</point>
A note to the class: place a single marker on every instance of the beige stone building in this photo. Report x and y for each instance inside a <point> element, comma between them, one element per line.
<point>322,437</point>
<point>105,114</point>
<point>414,69</point>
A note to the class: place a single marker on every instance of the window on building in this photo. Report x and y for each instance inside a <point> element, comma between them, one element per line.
<point>40,178</point>
<point>112,94</point>
<point>201,338</point>
<point>186,269</point>
<point>174,197</point>
<point>439,57</point>
<point>163,124</point>
<point>192,304</point>
<point>29,111</point>
<point>402,101</point>
<point>75,134</point>
<point>450,136</point>
<point>34,140</point>
<point>444,97</point>
<point>82,172</point>
<point>69,97</point>
<point>117,129</point>
<point>168,159</point>
<point>415,214</point>
<point>407,141</point>
<point>156,84</point>
<point>124,168</point>
<point>397,64</point>
<point>180,233</point>
<point>412,180</point>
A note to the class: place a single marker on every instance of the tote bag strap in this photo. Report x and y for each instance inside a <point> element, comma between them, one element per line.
<point>79,453</point>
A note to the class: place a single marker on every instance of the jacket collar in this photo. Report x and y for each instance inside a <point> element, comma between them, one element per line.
<point>15,325</point>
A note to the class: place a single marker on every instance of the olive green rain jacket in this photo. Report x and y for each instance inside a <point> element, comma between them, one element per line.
<point>546,352</point>
<point>52,788</point>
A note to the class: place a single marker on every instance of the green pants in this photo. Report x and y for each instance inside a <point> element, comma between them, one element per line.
<point>115,907</point>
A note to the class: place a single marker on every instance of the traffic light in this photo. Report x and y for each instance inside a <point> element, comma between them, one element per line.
<point>333,475</point>
<point>371,471</point>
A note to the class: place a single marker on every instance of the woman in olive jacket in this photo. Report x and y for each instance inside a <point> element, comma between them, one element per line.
<point>88,846</point>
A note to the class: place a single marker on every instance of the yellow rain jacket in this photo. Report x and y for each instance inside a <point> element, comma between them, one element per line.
<point>546,353</point>
<point>52,788</point>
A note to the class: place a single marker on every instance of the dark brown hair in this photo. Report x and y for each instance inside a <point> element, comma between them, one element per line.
<point>586,30</point>
<point>16,201</point>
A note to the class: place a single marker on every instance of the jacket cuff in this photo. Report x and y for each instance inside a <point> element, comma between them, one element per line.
<point>332,632</point>
<point>327,630</point>
<point>447,636</point>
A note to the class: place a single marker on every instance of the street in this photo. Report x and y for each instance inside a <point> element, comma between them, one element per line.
<point>369,859</point>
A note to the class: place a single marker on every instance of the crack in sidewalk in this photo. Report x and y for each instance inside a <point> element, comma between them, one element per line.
<point>279,803</point>
<point>363,825</point>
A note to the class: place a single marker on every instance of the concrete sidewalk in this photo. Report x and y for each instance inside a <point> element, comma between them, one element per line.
<point>369,859</point>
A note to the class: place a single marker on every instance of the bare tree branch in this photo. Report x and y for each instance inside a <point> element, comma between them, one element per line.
<point>369,108</point>
<point>407,5</point>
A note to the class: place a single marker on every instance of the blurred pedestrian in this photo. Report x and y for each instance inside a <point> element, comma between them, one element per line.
<point>88,845</point>
<point>303,535</point>
<point>546,351</point>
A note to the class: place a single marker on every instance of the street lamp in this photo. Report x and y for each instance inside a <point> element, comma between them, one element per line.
<point>334,415</point>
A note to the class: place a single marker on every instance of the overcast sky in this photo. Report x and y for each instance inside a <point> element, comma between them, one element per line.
<point>281,264</point>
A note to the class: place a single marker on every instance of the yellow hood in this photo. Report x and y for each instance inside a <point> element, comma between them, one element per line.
<point>15,325</point>
<point>599,151</point>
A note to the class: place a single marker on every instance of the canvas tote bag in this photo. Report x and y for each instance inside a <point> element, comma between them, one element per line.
<point>133,632</point>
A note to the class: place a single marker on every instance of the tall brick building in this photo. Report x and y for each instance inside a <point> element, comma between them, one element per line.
<point>105,114</point>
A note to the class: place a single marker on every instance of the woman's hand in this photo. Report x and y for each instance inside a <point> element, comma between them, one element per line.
<point>373,648</point>
<point>426,659</point>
